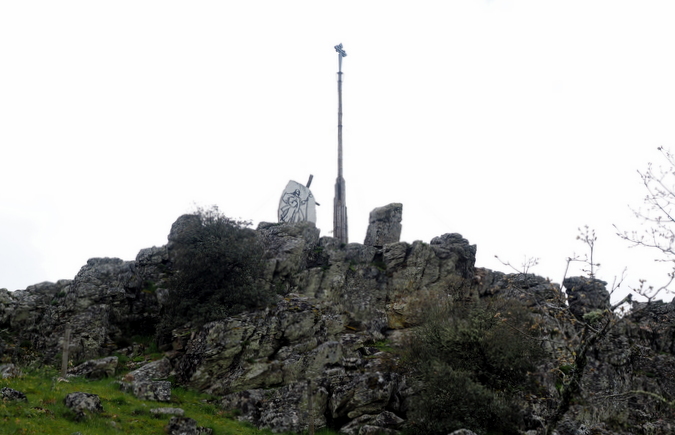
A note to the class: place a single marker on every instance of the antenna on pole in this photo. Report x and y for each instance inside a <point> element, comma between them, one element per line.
<point>340,203</point>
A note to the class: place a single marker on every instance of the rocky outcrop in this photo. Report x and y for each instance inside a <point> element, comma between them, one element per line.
<point>349,297</point>
<point>149,381</point>
<point>108,301</point>
<point>315,354</point>
<point>585,295</point>
<point>384,225</point>
<point>289,250</point>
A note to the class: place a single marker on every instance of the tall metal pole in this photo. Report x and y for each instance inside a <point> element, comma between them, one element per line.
<point>340,204</point>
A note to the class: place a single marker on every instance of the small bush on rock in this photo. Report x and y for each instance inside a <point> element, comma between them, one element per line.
<point>470,361</point>
<point>217,267</point>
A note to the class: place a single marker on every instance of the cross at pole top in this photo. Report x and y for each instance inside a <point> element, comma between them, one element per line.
<point>340,50</point>
<point>341,53</point>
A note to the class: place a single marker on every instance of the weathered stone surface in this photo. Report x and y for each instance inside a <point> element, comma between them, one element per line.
<point>383,423</point>
<point>249,402</point>
<point>359,394</point>
<point>152,256</point>
<point>95,369</point>
<point>168,411</point>
<point>457,249</point>
<point>585,295</point>
<point>12,394</point>
<point>153,371</point>
<point>147,382</point>
<point>9,371</point>
<point>288,246</point>
<point>185,426</point>
<point>158,391</point>
<point>282,409</point>
<point>261,349</point>
<point>83,404</point>
<point>384,226</point>
<point>182,224</point>
<point>530,289</point>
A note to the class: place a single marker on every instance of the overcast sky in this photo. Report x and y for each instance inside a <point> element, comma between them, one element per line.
<point>512,123</point>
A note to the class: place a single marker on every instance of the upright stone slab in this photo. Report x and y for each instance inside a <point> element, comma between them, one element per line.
<point>297,204</point>
<point>384,225</point>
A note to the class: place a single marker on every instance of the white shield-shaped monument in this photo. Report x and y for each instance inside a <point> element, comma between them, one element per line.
<point>297,204</point>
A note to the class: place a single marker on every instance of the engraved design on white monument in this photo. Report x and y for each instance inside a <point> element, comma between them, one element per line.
<point>297,204</point>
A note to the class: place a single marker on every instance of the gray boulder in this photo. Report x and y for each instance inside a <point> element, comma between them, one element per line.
<point>289,247</point>
<point>184,223</point>
<point>153,371</point>
<point>95,369</point>
<point>168,411</point>
<point>384,225</point>
<point>11,394</point>
<point>158,391</point>
<point>83,404</point>
<point>185,426</point>
<point>148,382</point>
<point>9,371</point>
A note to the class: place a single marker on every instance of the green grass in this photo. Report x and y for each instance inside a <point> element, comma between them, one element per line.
<point>45,413</point>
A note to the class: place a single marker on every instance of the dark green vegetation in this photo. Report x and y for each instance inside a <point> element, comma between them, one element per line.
<point>470,360</point>
<point>218,267</point>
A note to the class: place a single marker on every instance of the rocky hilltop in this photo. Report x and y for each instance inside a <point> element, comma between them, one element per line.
<point>322,352</point>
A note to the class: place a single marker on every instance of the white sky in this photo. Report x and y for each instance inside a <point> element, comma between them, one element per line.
<point>510,122</point>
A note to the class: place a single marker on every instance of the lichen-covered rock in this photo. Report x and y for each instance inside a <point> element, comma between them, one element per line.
<point>357,394</point>
<point>168,411</point>
<point>261,349</point>
<point>284,409</point>
<point>289,247</point>
<point>147,382</point>
<point>157,391</point>
<point>153,371</point>
<point>185,426</point>
<point>336,301</point>
<point>384,225</point>
<point>457,249</point>
<point>83,404</point>
<point>7,393</point>
<point>585,295</point>
<point>383,423</point>
<point>9,371</point>
<point>95,369</point>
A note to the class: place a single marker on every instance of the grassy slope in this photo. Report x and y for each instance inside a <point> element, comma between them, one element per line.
<point>45,413</point>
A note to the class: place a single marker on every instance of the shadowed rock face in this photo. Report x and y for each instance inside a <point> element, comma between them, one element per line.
<point>586,294</point>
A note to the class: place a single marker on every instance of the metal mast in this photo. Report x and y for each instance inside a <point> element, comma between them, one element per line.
<point>340,203</point>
